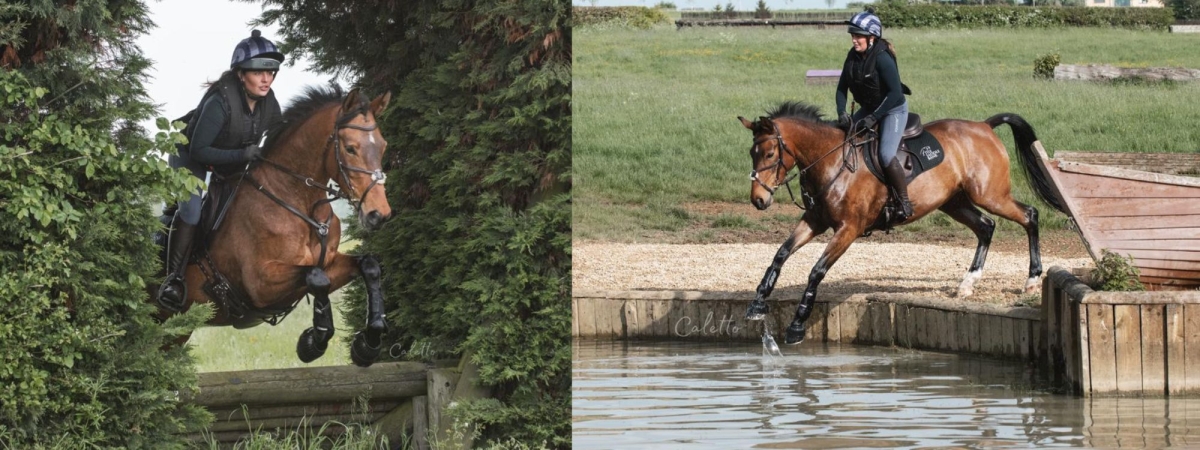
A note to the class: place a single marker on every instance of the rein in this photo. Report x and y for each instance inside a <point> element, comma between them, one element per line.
<point>334,142</point>
<point>808,200</point>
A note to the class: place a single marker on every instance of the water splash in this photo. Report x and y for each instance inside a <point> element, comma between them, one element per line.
<point>770,348</point>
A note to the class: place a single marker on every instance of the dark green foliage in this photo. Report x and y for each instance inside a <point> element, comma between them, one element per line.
<point>1116,273</point>
<point>477,256</point>
<point>665,5</point>
<point>81,366</point>
<point>627,16</point>
<point>1043,67</point>
<point>949,16</point>
<point>762,11</point>
<point>1185,9</point>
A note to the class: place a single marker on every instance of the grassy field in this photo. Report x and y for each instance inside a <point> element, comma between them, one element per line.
<point>654,111</point>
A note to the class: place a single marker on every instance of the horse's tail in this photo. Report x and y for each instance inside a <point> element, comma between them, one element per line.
<point>1025,137</point>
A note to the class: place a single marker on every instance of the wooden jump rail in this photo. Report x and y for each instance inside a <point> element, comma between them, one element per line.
<point>396,399</point>
<point>1168,163</point>
<point>820,24</point>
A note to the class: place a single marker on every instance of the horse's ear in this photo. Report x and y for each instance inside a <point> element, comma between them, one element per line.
<point>746,123</point>
<point>352,101</point>
<point>380,103</point>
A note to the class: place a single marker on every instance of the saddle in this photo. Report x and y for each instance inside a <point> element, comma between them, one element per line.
<point>235,302</point>
<point>919,151</point>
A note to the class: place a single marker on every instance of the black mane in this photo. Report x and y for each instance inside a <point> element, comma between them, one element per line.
<point>798,111</point>
<point>312,100</point>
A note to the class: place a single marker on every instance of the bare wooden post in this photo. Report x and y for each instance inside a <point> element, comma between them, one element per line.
<point>421,422</point>
<point>441,388</point>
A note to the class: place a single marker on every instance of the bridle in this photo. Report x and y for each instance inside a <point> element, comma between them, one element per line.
<point>776,166</point>
<point>335,143</point>
<point>779,165</point>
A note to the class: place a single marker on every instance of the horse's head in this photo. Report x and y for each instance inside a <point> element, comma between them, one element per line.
<point>358,151</point>
<point>771,160</point>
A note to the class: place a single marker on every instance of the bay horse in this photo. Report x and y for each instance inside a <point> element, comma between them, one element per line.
<point>278,239</point>
<point>973,175</point>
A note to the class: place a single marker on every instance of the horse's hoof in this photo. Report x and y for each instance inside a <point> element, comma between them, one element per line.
<point>362,353</point>
<point>794,334</point>
<point>758,310</point>
<point>309,348</point>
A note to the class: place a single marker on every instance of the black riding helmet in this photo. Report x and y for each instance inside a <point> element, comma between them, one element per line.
<point>256,53</point>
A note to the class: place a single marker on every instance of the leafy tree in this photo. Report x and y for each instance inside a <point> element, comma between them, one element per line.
<point>762,11</point>
<point>729,11</point>
<point>477,255</point>
<point>81,366</point>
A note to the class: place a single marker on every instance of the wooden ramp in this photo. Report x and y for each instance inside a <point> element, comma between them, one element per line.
<point>1152,217</point>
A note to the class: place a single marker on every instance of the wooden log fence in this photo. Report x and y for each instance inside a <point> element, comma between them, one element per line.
<point>397,400</point>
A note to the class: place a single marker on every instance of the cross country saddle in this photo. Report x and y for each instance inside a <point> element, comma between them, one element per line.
<point>919,151</point>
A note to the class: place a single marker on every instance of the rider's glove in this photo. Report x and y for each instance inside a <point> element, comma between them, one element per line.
<point>251,152</point>
<point>867,122</point>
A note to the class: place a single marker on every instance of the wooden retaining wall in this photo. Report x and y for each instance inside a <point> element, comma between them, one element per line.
<point>396,399</point>
<point>876,319</point>
<point>1121,343</point>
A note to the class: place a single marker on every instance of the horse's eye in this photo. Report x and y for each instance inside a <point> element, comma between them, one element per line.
<point>351,150</point>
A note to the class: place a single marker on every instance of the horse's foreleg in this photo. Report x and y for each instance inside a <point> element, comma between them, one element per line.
<point>315,340</point>
<point>960,209</point>
<point>365,348</point>
<point>842,239</point>
<point>800,236</point>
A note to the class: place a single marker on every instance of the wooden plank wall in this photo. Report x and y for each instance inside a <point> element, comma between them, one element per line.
<point>1144,344</point>
<point>877,319</point>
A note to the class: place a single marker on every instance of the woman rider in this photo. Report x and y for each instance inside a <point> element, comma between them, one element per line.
<point>223,134</point>
<point>871,74</point>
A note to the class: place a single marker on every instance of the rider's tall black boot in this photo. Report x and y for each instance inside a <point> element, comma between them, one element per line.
<point>173,292</point>
<point>895,177</point>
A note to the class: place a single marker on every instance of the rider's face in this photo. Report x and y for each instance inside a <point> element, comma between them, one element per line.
<point>860,42</point>
<point>257,82</point>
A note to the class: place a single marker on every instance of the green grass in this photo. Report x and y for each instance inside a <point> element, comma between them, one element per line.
<point>654,111</point>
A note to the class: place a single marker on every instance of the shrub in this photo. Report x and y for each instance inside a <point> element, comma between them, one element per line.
<point>665,5</point>
<point>950,16</point>
<point>1116,273</point>
<point>477,255</point>
<point>1043,67</point>
<point>81,365</point>
<point>1185,9</point>
<point>625,16</point>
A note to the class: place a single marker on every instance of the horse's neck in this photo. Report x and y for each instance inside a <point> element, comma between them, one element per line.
<point>304,155</point>
<point>818,151</point>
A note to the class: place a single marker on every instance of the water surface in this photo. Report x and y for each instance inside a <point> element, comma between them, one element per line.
<point>730,395</point>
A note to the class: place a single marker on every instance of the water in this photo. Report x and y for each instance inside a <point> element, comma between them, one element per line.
<point>737,395</point>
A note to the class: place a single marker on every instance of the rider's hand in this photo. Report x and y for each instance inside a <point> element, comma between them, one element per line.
<point>844,120</point>
<point>867,122</point>
<point>251,152</point>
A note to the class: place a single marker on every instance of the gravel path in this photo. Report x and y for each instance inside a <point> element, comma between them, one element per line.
<point>867,267</point>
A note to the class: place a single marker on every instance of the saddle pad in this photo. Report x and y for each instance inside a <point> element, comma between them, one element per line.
<point>927,151</point>
<point>917,154</point>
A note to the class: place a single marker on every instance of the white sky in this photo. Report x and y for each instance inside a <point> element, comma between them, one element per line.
<point>193,43</point>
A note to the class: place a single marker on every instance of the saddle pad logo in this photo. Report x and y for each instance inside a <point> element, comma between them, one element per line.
<point>929,153</point>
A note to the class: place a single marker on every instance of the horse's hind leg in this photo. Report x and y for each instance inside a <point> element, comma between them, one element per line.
<point>365,348</point>
<point>1027,216</point>
<point>960,208</point>
<point>800,236</point>
<point>315,340</point>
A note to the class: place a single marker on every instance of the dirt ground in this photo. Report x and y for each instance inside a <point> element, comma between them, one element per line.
<point>924,262</point>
